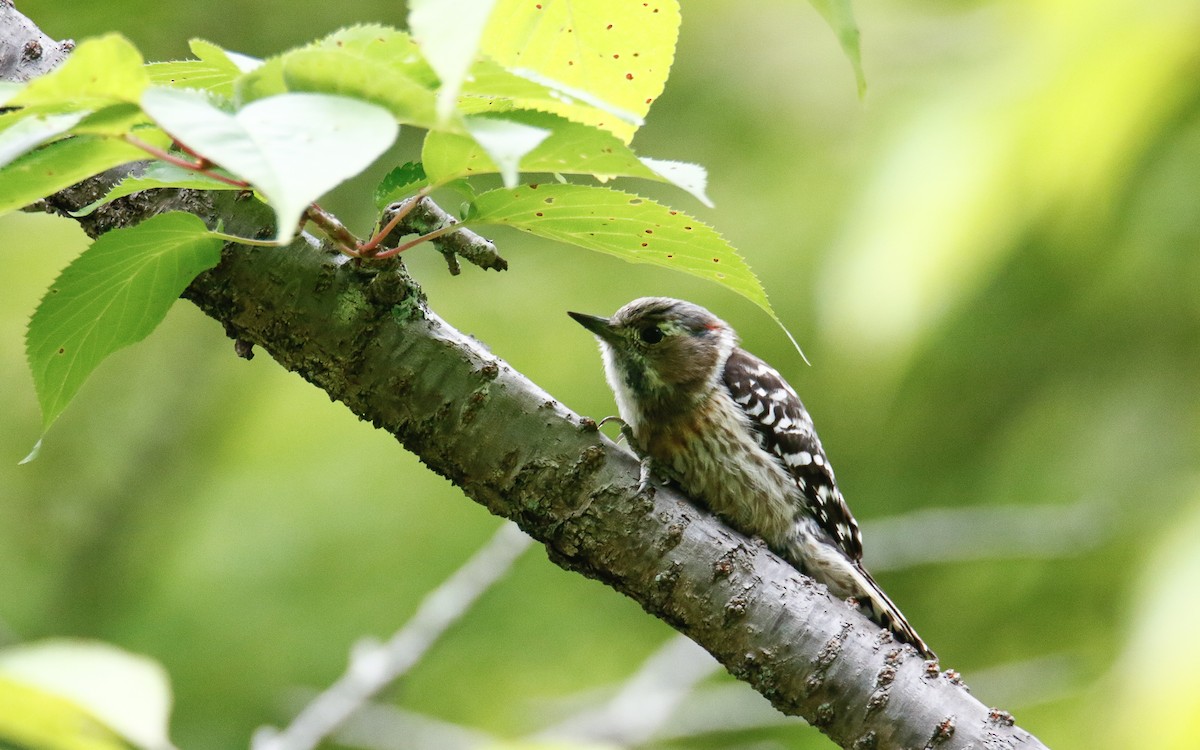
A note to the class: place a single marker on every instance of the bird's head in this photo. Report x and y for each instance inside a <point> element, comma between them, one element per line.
<point>660,351</point>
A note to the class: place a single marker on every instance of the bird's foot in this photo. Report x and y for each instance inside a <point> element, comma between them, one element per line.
<point>645,478</point>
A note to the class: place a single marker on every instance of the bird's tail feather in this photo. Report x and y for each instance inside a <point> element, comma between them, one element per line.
<point>814,554</point>
<point>883,612</point>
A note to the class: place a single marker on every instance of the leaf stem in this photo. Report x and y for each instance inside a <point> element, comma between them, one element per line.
<point>243,240</point>
<point>201,165</point>
<point>201,160</point>
<point>369,246</point>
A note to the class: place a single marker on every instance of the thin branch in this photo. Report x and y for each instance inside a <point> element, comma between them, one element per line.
<point>334,229</point>
<point>720,709</point>
<point>374,666</point>
<point>989,532</point>
<point>387,727</point>
<point>1030,682</point>
<point>647,700</point>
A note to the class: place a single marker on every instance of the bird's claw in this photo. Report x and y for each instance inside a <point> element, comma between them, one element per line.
<point>645,478</point>
<point>645,484</point>
<point>626,430</point>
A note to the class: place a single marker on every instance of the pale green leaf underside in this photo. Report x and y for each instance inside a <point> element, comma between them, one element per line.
<point>506,143</point>
<point>621,224</point>
<point>449,34</point>
<point>37,718</point>
<point>293,148</point>
<point>127,693</point>
<point>114,294</point>
<point>570,148</point>
<point>27,133</point>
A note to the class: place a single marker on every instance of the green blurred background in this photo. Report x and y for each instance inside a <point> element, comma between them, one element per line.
<point>991,261</point>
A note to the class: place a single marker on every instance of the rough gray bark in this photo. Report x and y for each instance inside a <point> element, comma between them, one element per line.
<point>25,52</point>
<point>365,334</point>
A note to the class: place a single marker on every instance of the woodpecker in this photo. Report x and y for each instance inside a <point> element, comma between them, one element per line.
<point>726,428</point>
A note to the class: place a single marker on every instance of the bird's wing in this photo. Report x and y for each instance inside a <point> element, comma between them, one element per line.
<point>785,430</point>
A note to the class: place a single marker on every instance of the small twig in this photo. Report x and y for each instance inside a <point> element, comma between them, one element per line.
<point>334,229</point>
<point>940,535</point>
<point>647,700</point>
<point>390,727</point>
<point>374,666</point>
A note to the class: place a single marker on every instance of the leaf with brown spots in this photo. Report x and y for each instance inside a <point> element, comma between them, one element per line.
<point>617,52</point>
<point>630,227</point>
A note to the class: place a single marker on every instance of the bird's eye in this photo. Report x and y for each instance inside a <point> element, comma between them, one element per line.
<point>650,334</point>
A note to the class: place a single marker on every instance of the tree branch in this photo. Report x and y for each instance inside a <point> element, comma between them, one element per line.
<point>425,217</point>
<point>25,52</point>
<point>363,333</point>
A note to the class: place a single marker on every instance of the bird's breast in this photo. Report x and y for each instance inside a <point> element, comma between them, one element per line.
<point>712,453</point>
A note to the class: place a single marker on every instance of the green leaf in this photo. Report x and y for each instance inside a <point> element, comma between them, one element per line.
<point>840,16</point>
<point>112,295</point>
<point>571,148</point>
<point>231,63</point>
<point>404,181</point>
<point>72,685</point>
<point>157,174</point>
<point>215,70</point>
<point>399,183</point>
<point>27,133</point>
<point>349,73</point>
<point>616,51</point>
<point>490,88</point>
<point>293,148</point>
<point>99,72</point>
<point>192,74</point>
<point>64,163</point>
<point>632,228</point>
<point>114,120</point>
<point>449,33</point>
<point>375,63</point>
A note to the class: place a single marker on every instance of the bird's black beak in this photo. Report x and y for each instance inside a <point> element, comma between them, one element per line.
<point>594,323</point>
